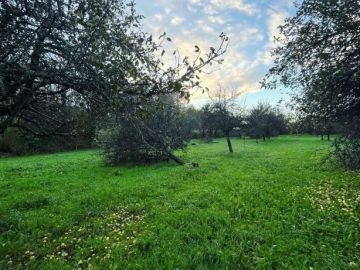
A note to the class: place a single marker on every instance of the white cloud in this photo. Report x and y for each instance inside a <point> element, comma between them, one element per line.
<point>176,20</point>
<point>159,17</point>
<point>209,10</point>
<point>275,20</point>
<point>204,27</point>
<point>239,5</point>
<point>212,7</point>
<point>217,19</point>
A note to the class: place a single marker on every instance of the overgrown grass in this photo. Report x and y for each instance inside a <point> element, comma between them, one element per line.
<point>270,205</point>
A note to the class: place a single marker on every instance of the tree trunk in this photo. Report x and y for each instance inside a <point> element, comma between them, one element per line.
<point>264,139</point>
<point>322,137</point>
<point>328,137</point>
<point>229,144</point>
<point>176,159</point>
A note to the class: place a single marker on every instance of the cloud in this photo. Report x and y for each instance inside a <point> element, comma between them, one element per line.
<point>209,10</point>
<point>204,27</point>
<point>159,17</point>
<point>212,7</point>
<point>240,5</point>
<point>199,22</point>
<point>239,72</point>
<point>275,20</point>
<point>217,20</point>
<point>176,20</point>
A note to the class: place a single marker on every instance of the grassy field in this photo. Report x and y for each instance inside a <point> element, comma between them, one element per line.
<point>270,205</point>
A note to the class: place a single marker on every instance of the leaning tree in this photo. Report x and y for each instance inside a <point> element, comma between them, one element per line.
<point>94,50</point>
<point>319,54</point>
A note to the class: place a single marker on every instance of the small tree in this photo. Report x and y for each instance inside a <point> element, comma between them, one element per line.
<point>265,121</point>
<point>207,120</point>
<point>220,115</point>
<point>224,120</point>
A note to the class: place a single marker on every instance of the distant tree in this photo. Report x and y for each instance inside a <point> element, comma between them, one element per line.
<point>79,121</point>
<point>319,55</point>
<point>50,50</point>
<point>322,127</point>
<point>220,114</point>
<point>224,120</point>
<point>265,121</point>
<point>207,121</point>
<point>193,123</point>
<point>256,122</point>
<point>300,124</point>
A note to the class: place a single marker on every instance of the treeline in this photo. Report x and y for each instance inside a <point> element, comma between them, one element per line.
<point>150,132</point>
<point>78,133</point>
<point>125,132</point>
<point>215,120</point>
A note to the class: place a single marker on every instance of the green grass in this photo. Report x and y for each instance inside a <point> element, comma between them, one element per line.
<point>270,205</point>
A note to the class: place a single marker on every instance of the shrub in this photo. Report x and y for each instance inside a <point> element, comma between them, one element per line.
<point>346,152</point>
<point>146,133</point>
<point>123,144</point>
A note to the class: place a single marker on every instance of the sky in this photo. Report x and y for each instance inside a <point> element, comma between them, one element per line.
<point>251,27</point>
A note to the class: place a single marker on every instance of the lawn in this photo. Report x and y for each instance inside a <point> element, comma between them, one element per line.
<point>271,205</point>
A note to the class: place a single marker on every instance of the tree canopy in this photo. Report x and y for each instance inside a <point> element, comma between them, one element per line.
<point>89,53</point>
<point>319,57</point>
<point>319,53</point>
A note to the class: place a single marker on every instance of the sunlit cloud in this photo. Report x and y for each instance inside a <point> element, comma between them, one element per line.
<point>275,19</point>
<point>250,25</point>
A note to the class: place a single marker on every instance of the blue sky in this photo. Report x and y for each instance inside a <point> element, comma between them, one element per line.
<point>251,26</point>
